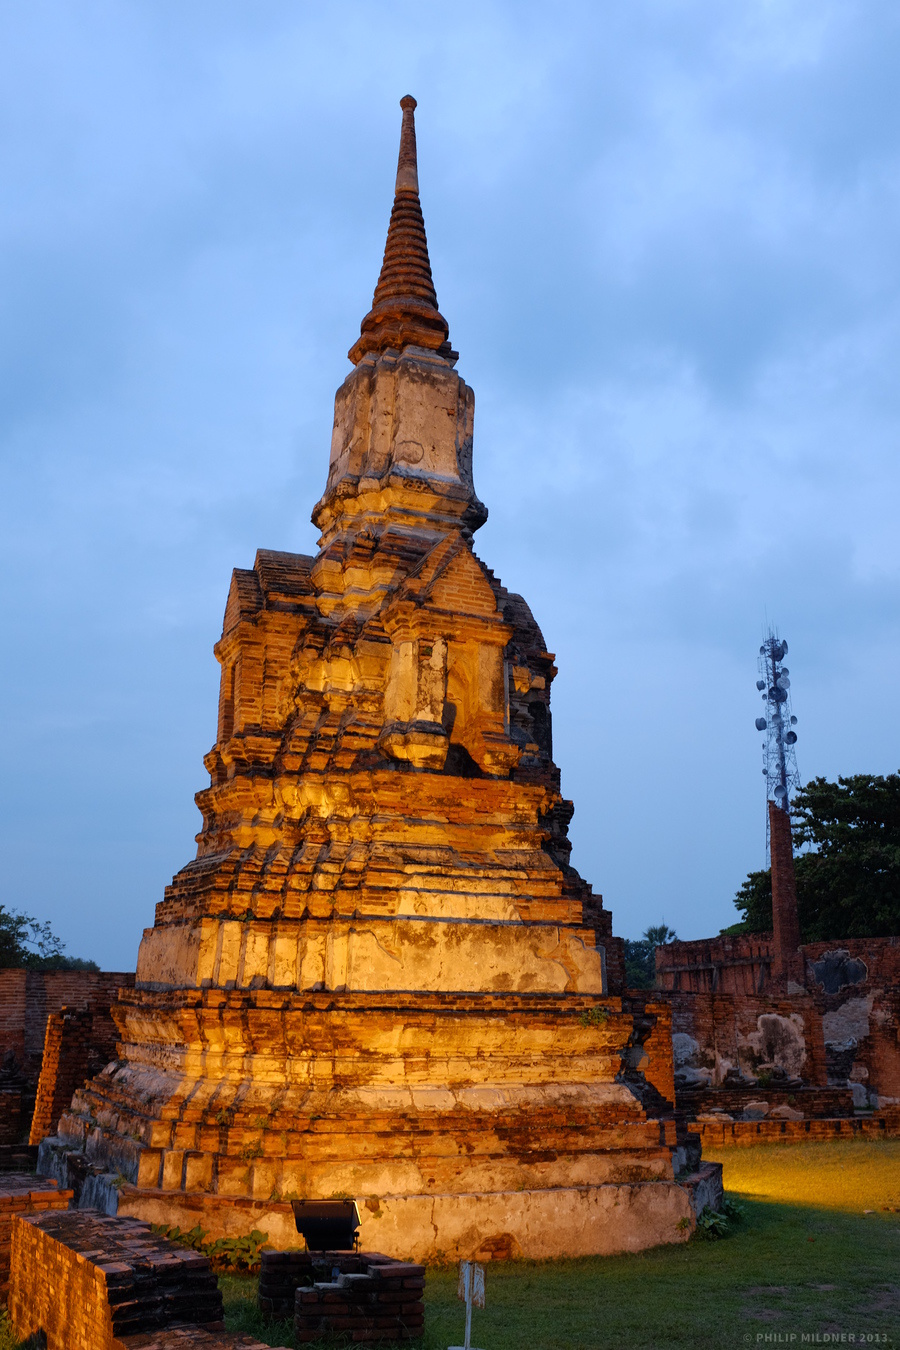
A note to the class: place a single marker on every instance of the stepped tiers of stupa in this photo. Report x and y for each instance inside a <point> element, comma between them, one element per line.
<point>380,977</point>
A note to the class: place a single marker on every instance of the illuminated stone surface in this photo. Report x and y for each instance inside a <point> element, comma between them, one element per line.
<point>380,976</point>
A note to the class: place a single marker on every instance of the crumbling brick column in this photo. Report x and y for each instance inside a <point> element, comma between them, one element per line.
<point>788,963</point>
<point>67,1046</point>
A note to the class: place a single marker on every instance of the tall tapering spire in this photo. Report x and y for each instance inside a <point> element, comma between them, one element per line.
<point>404,309</point>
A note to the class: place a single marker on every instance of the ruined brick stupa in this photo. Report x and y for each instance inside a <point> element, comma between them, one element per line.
<point>380,977</point>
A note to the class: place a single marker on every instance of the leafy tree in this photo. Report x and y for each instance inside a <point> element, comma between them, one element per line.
<point>640,956</point>
<point>848,882</point>
<point>754,900</point>
<point>26,942</point>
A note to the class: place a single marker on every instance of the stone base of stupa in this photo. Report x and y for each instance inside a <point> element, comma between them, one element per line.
<point>463,1125</point>
<point>484,1226</point>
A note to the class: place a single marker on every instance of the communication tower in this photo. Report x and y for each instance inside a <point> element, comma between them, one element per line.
<point>779,756</point>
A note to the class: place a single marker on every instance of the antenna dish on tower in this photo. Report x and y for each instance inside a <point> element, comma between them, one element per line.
<point>779,759</point>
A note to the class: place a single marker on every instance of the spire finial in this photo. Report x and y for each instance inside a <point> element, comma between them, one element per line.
<point>404,310</point>
<point>407,164</point>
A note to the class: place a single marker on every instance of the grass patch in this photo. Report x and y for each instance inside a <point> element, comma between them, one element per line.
<point>242,1314</point>
<point>786,1269</point>
<point>848,1174</point>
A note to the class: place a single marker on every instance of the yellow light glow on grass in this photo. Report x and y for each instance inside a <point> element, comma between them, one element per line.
<point>849,1174</point>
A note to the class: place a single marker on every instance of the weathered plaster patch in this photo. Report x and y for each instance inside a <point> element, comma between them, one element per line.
<point>848,1022</point>
<point>778,1041</point>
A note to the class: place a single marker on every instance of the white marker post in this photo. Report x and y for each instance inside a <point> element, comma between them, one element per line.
<point>470,1290</point>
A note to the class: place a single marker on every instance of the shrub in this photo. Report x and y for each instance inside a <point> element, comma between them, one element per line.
<point>225,1254</point>
<point>715,1224</point>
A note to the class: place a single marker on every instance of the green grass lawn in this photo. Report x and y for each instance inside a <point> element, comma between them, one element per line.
<point>806,1262</point>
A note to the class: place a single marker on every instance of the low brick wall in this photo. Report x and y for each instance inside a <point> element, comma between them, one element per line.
<point>814,1103</point>
<point>746,1132</point>
<point>23,1193</point>
<point>87,1280</point>
<point>362,1297</point>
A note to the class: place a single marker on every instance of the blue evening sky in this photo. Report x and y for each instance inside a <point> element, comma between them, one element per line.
<point>664,234</point>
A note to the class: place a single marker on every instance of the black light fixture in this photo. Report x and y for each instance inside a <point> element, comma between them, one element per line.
<point>327,1225</point>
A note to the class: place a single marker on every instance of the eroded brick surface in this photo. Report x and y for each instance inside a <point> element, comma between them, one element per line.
<point>85,1280</point>
<point>23,1193</point>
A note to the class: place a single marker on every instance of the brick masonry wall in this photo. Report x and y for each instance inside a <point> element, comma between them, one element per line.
<point>650,1049</point>
<point>87,1281</point>
<point>28,997</point>
<point>746,1031</point>
<point>21,1193</point>
<point>20,1158</point>
<point>848,1010</point>
<point>738,965</point>
<point>12,1108</point>
<point>866,1011</point>
<point>811,1103</point>
<point>13,1004</point>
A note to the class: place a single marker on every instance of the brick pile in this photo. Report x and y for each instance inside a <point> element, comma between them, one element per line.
<point>86,1280</point>
<point>23,1194</point>
<point>281,1274</point>
<point>363,1297</point>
